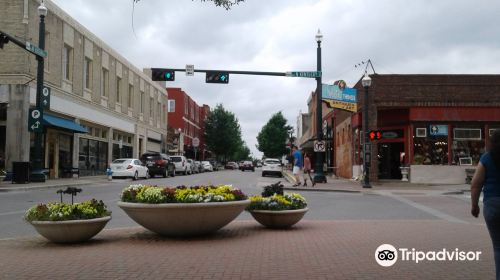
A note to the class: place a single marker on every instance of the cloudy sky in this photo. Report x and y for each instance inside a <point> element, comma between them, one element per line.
<point>400,37</point>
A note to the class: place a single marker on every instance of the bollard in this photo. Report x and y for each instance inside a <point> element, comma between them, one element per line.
<point>109,172</point>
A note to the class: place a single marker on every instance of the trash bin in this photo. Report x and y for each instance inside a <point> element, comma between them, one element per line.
<point>20,172</point>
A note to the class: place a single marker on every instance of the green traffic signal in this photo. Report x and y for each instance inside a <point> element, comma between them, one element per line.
<point>160,74</point>
<point>216,77</point>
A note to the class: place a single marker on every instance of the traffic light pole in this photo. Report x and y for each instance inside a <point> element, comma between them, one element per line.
<point>283,74</point>
<point>366,143</point>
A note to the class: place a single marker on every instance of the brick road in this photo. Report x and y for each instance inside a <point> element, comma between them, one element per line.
<point>245,250</point>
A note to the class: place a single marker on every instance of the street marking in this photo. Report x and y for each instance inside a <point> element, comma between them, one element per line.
<point>12,213</point>
<point>429,210</point>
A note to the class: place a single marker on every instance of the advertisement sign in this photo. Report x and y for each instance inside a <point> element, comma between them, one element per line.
<point>438,130</point>
<point>339,96</point>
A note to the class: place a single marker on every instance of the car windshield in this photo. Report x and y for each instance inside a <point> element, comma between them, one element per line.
<point>272,162</point>
<point>120,160</point>
<point>151,157</point>
<point>205,162</point>
<point>176,159</point>
<point>247,162</point>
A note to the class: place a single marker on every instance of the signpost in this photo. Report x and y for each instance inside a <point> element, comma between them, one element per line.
<point>46,97</point>
<point>196,143</point>
<point>35,50</point>
<point>35,120</point>
<point>319,146</point>
<point>304,74</point>
<point>189,70</point>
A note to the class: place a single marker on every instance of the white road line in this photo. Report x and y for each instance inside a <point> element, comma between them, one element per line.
<point>429,210</point>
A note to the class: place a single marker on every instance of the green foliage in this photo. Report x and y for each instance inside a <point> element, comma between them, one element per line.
<point>276,202</point>
<point>181,194</point>
<point>90,209</point>
<point>273,136</point>
<point>242,153</point>
<point>270,190</point>
<point>222,133</point>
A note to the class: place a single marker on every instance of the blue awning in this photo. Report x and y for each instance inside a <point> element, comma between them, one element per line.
<point>63,123</point>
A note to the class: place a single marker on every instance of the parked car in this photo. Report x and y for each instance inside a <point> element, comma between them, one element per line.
<point>206,166</point>
<point>129,168</point>
<point>193,166</point>
<point>271,166</point>
<point>216,165</point>
<point>259,164</point>
<point>198,167</point>
<point>240,164</point>
<point>231,165</point>
<point>158,164</point>
<point>181,164</point>
<point>247,165</point>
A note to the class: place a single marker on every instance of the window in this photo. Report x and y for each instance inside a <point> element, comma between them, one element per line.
<point>467,143</point>
<point>105,82</point>
<point>104,134</point>
<point>421,132</point>
<point>186,109</point>
<point>158,111</point>
<point>467,134</point>
<point>67,62</point>
<point>151,107</point>
<point>492,130</point>
<point>171,105</point>
<point>142,102</point>
<point>431,150</point>
<point>87,73</point>
<point>130,94</point>
<point>118,89</point>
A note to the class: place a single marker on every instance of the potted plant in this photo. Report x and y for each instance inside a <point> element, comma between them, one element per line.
<point>62,222</point>
<point>275,209</point>
<point>183,211</point>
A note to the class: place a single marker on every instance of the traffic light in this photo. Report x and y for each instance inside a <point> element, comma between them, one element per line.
<point>375,135</point>
<point>162,74</point>
<point>216,77</point>
<point>3,40</point>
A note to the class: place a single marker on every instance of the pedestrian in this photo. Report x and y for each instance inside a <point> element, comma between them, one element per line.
<point>297,165</point>
<point>487,179</point>
<point>307,170</point>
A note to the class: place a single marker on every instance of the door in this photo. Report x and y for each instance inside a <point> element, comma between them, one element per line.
<point>389,160</point>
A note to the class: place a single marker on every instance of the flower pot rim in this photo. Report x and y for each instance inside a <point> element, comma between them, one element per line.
<point>80,221</point>
<point>180,205</point>
<point>281,211</point>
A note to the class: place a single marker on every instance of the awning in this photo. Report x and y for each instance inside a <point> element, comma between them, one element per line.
<point>63,123</point>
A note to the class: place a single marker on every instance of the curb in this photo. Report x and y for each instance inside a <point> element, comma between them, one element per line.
<point>319,190</point>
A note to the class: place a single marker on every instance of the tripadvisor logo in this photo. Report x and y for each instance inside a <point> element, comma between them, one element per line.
<point>387,255</point>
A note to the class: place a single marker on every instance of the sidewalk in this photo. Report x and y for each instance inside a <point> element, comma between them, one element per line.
<point>345,185</point>
<point>6,186</point>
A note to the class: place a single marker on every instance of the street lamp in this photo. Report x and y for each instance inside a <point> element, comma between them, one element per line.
<point>319,177</point>
<point>37,174</point>
<point>366,82</point>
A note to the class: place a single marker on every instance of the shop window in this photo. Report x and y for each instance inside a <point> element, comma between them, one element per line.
<point>467,134</point>
<point>468,144</point>
<point>492,130</point>
<point>430,150</point>
<point>104,134</point>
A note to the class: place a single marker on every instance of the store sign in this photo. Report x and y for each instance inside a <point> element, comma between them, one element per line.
<point>339,96</point>
<point>438,130</point>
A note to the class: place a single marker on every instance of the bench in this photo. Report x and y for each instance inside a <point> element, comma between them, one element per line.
<point>70,171</point>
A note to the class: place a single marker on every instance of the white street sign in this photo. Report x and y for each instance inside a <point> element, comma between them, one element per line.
<point>189,70</point>
<point>196,142</point>
<point>35,114</point>
<point>319,146</point>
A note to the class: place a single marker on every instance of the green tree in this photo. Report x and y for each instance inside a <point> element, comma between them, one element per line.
<point>242,153</point>
<point>227,4</point>
<point>273,136</point>
<point>222,133</point>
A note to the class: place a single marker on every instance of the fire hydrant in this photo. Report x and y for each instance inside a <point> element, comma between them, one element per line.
<point>109,172</point>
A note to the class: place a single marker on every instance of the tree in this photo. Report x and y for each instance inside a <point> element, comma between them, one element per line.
<point>227,4</point>
<point>222,133</point>
<point>242,153</point>
<point>273,136</point>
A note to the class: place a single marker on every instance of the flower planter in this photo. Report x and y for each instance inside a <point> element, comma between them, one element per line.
<point>184,219</point>
<point>72,231</point>
<point>278,219</point>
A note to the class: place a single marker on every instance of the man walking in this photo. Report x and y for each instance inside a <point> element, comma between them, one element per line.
<point>297,164</point>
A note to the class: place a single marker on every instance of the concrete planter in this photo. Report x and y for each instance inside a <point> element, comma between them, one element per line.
<point>184,219</point>
<point>72,231</point>
<point>278,219</point>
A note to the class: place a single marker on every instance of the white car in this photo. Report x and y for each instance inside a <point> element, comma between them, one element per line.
<point>271,166</point>
<point>129,167</point>
<point>181,165</point>
<point>206,166</point>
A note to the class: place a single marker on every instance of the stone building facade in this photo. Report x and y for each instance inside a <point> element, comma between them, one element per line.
<point>92,86</point>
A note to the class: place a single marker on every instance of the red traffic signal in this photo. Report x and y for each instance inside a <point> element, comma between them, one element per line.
<point>375,135</point>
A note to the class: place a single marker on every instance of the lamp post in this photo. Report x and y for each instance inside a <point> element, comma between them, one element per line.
<point>366,82</point>
<point>319,177</point>
<point>37,174</point>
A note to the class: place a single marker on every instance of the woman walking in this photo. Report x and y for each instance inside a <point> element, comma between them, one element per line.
<point>487,179</point>
<point>307,170</point>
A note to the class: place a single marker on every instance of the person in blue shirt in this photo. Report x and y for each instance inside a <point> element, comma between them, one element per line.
<point>297,164</point>
<point>487,179</point>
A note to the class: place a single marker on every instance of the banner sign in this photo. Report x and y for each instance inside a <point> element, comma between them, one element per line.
<point>339,96</point>
<point>438,130</point>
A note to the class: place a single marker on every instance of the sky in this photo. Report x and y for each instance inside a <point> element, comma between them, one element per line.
<point>399,37</point>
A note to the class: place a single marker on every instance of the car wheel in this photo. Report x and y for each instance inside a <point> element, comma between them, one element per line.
<point>185,172</point>
<point>136,176</point>
<point>173,173</point>
<point>263,174</point>
<point>165,173</point>
<point>253,170</point>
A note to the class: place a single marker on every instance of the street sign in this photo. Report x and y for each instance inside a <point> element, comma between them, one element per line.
<point>36,50</point>
<point>46,97</point>
<point>304,74</point>
<point>196,142</point>
<point>35,120</point>
<point>325,127</point>
<point>319,146</point>
<point>189,70</point>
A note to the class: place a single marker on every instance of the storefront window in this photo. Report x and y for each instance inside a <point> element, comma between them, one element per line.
<point>92,157</point>
<point>430,150</point>
<point>124,152</point>
<point>468,145</point>
<point>65,154</point>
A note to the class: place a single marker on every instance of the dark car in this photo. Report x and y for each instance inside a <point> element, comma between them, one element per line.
<point>247,165</point>
<point>158,164</point>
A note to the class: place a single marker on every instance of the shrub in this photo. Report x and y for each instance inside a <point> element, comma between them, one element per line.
<point>270,190</point>
<point>276,202</point>
<point>181,194</point>
<point>56,211</point>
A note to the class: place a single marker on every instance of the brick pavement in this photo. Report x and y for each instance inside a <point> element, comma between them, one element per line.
<point>245,250</point>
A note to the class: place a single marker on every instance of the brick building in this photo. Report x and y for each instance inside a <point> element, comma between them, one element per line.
<point>93,88</point>
<point>185,114</point>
